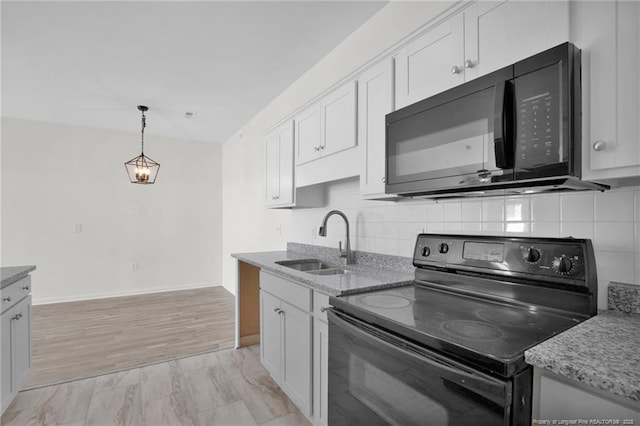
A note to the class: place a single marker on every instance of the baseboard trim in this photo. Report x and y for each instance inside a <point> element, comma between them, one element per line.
<point>49,300</point>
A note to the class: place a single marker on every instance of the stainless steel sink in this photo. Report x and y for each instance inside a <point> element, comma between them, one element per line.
<point>312,266</point>
<point>333,271</point>
<point>306,265</point>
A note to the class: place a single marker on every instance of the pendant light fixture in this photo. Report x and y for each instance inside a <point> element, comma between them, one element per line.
<point>142,169</point>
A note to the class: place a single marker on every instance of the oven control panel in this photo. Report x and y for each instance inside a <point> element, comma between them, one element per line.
<point>544,257</point>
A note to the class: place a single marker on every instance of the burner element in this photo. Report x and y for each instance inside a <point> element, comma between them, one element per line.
<point>384,301</point>
<point>473,330</point>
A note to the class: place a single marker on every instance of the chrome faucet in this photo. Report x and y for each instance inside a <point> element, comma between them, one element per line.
<point>347,254</point>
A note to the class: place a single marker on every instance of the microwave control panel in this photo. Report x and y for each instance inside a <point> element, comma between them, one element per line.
<point>538,110</point>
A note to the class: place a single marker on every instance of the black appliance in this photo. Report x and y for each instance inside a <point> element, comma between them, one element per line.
<point>515,130</point>
<point>449,348</point>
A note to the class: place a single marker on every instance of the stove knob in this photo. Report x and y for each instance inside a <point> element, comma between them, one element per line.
<point>443,248</point>
<point>562,265</point>
<point>531,255</point>
<point>426,251</point>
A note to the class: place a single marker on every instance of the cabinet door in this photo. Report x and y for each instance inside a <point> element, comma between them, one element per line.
<point>425,66</point>
<point>284,135</point>
<point>500,33</point>
<point>5,358</point>
<point>270,334</point>
<point>607,33</point>
<point>375,100</point>
<point>307,134</point>
<point>338,119</point>
<point>320,372</point>
<point>296,374</point>
<point>272,168</point>
<point>21,343</point>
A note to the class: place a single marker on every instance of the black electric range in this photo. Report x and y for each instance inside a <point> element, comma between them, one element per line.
<point>477,303</point>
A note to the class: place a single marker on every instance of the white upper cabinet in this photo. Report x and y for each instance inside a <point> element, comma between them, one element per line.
<point>431,63</point>
<point>483,38</point>
<point>375,100</point>
<point>500,33</point>
<point>307,134</point>
<point>279,166</point>
<point>338,119</point>
<point>327,126</point>
<point>608,34</point>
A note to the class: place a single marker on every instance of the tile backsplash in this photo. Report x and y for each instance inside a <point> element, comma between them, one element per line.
<point>610,219</point>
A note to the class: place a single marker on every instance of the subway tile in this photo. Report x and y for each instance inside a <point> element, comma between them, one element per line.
<point>471,227</point>
<point>577,207</point>
<point>612,266</point>
<point>452,211</point>
<point>519,229</point>
<point>391,214</point>
<point>471,210</point>
<point>452,227</point>
<point>577,230</point>
<point>419,213</point>
<point>516,209</point>
<point>492,228</point>
<point>493,209</point>
<point>614,236</point>
<point>435,227</point>
<point>545,208</point>
<point>545,229</point>
<point>406,247</point>
<point>404,212</point>
<point>435,212</point>
<point>614,206</point>
<point>409,231</point>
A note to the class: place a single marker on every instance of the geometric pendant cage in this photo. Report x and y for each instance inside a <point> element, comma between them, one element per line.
<point>142,169</point>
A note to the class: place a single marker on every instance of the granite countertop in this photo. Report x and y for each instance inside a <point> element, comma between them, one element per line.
<point>602,352</point>
<point>371,271</point>
<point>11,274</point>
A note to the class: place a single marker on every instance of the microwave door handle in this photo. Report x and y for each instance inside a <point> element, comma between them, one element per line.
<point>502,125</point>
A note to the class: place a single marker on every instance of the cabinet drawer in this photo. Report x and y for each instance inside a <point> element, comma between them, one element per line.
<point>295,294</point>
<point>15,292</point>
<point>320,302</point>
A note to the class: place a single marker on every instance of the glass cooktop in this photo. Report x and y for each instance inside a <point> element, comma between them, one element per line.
<point>470,328</point>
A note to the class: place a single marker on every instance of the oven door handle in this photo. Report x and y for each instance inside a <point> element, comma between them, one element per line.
<point>502,125</point>
<point>497,391</point>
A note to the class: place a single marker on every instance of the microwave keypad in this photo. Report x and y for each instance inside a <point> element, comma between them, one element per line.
<point>537,128</point>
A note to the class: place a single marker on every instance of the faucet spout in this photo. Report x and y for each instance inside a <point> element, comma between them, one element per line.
<point>322,231</point>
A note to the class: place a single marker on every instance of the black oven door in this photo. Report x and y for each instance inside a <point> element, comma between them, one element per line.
<point>376,378</point>
<point>460,138</point>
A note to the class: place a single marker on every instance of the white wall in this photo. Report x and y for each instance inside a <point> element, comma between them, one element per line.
<point>55,176</point>
<point>247,224</point>
<point>610,219</point>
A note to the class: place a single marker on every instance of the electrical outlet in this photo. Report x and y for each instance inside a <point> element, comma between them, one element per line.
<point>77,228</point>
<point>314,232</point>
<point>279,229</point>
<point>133,266</point>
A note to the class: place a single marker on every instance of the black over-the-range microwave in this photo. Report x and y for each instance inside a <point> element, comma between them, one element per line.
<point>516,130</point>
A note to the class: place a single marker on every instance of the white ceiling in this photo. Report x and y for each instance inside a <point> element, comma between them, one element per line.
<point>90,63</point>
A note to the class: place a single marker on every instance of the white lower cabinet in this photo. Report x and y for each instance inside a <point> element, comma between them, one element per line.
<point>557,398</point>
<point>320,372</point>
<point>286,337</point>
<point>15,335</point>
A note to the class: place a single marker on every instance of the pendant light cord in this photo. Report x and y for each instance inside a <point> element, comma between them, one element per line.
<point>144,124</point>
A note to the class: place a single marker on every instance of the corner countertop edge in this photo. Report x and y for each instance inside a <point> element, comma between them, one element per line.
<point>11,274</point>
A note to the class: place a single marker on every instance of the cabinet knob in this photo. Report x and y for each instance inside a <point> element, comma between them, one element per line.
<point>276,310</point>
<point>322,146</point>
<point>25,288</point>
<point>469,64</point>
<point>599,145</point>
<point>7,299</point>
<point>455,69</point>
<point>316,148</point>
<point>384,179</point>
<point>324,309</point>
<point>17,317</point>
<point>280,312</point>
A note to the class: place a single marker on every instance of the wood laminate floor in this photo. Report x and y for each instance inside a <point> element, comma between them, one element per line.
<point>83,339</point>
<point>227,387</point>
